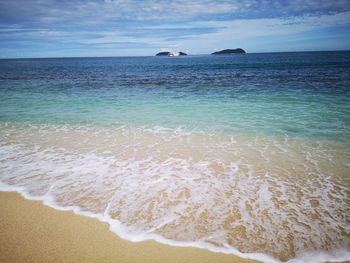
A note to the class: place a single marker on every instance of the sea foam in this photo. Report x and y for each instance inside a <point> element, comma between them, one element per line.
<point>264,198</point>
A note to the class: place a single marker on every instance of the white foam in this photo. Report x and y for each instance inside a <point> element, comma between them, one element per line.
<point>336,255</point>
<point>122,231</point>
<point>140,181</point>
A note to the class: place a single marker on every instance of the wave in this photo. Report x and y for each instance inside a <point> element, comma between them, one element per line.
<point>283,198</point>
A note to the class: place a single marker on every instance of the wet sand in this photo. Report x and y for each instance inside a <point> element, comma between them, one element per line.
<point>32,232</point>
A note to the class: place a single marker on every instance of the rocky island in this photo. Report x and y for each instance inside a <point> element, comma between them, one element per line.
<point>171,54</point>
<point>229,51</point>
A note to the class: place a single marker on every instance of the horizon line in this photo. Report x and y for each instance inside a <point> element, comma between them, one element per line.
<point>247,53</point>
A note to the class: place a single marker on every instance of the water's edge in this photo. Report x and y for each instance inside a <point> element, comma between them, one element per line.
<point>121,231</point>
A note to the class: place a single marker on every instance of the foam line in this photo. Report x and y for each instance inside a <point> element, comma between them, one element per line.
<point>119,229</point>
<point>223,192</point>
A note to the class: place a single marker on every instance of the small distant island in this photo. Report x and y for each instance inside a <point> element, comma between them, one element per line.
<point>171,54</point>
<point>229,51</point>
<point>221,52</point>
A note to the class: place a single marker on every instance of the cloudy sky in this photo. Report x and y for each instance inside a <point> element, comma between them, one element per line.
<point>56,28</point>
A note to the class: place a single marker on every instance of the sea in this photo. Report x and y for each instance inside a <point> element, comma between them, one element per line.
<point>243,154</point>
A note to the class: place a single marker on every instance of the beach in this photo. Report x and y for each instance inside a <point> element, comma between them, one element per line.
<point>245,156</point>
<point>32,232</point>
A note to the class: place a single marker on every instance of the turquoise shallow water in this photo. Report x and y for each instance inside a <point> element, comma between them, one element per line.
<point>237,154</point>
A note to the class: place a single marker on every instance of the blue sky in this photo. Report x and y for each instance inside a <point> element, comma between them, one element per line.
<point>64,28</point>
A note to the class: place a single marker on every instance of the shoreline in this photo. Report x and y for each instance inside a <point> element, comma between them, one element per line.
<point>33,232</point>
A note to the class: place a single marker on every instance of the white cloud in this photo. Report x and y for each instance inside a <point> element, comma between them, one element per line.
<point>225,31</point>
<point>117,37</point>
<point>181,9</point>
<point>243,28</point>
<point>302,5</point>
<point>241,32</point>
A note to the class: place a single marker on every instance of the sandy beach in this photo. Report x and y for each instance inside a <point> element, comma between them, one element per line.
<point>32,232</point>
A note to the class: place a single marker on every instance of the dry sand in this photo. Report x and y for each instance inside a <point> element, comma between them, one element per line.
<point>32,232</point>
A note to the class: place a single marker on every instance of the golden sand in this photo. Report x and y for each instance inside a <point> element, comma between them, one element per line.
<point>32,232</point>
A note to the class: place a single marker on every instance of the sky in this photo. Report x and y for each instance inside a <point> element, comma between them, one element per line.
<point>68,28</point>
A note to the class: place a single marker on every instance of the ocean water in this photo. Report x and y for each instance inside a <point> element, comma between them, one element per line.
<point>246,154</point>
